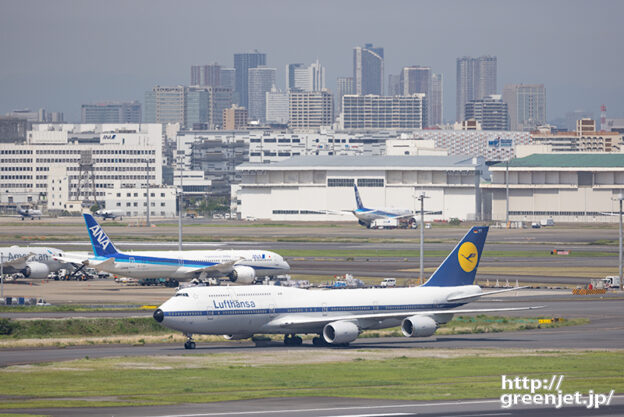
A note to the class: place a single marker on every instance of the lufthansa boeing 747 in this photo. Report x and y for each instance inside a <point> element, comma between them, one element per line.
<point>337,317</point>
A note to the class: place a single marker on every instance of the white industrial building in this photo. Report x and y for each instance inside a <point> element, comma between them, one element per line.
<point>567,187</point>
<point>48,165</point>
<point>133,201</point>
<point>319,188</point>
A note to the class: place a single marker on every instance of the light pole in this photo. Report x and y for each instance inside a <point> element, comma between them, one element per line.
<point>620,197</point>
<point>507,193</point>
<point>1,277</point>
<point>180,200</point>
<point>422,197</point>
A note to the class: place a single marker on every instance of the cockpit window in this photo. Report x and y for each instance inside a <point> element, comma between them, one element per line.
<point>182,294</point>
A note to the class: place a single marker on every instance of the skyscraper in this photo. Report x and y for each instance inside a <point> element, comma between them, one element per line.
<point>206,75</point>
<point>165,105</point>
<point>416,79</point>
<point>261,80</point>
<point>242,63</point>
<point>310,109</point>
<point>526,104</point>
<point>368,70</point>
<point>491,112</point>
<point>277,106</point>
<point>306,78</point>
<point>378,112</point>
<point>436,100</point>
<point>394,85</point>
<point>476,79</point>
<point>228,78</point>
<point>344,85</point>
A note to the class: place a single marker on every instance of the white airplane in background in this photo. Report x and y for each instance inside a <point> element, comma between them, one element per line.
<point>109,214</point>
<point>366,216</point>
<point>240,266</point>
<point>31,262</point>
<point>337,316</point>
<point>28,212</point>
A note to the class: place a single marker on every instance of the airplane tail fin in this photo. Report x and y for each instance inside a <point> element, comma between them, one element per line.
<point>101,243</point>
<point>358,200</point>
<point>460,266</point>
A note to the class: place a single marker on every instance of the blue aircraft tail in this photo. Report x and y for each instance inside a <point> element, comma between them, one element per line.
<point>358,200</point>
<point>100,242</point>
<point>460,267</point>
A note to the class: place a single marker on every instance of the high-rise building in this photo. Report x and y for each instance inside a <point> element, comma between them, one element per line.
<point>490,112</point>
<point>436,100</point>
<point>526,104</point>
<point>378,112</point>
<point>344,85</point>
<point>165,105</point>
<point>206,75</point>
<point>290,75</point>
<point>189,106</point>
<point>261,80</point>
<point>277,106</point>
<point>111,112</point>
<point>368,70</point>
<point>394,85</point>
<point>306,78</point>
<point>476,79</point>
<point>310,109</point>
<point>228,78</point>
<point>242,63</point>
<point>416,79</point>
<point>234,118</point>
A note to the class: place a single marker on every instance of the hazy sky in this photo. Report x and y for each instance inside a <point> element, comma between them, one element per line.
<point>60,54</point>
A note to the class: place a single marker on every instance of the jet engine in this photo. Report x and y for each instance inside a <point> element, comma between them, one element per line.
<point>418,326</point>
<point>36,270</point>
<point>242,274</point>
<point>340,332</point>
<point>237,336</point>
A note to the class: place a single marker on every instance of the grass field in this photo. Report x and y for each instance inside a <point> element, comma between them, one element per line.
<point>406,374</point>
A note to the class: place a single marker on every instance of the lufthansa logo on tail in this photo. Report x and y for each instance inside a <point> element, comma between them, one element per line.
<point>468,256</point>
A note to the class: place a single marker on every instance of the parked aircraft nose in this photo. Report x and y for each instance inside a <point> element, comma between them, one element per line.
<point>159,315</point>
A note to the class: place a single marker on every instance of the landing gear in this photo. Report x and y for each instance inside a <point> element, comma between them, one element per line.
<point>292,340</point>
<point>189,344</point>
<point>318,341</point>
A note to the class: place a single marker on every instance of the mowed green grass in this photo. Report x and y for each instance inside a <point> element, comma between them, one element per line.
<point>207,378</point>
<point>387,253</point>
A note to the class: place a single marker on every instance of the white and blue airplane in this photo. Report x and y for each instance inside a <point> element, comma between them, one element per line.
<point>34,263</point>
<point>366,216</point>
<point>336,316</point>
<point>109,214</point>
<point>240,266</point>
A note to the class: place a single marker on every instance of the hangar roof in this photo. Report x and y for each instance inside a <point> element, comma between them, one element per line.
<point>569,160</point>
<point>393,162</point>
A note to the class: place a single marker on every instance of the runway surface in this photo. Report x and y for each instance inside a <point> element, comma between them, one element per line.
<point>335,407</point>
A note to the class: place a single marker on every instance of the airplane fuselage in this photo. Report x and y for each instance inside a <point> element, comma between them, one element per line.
<point>175,264</point>
<point>244,311</point>
<point>368,215</point>
<point>38,257</point>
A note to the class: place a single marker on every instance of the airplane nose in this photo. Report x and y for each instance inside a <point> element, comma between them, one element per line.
<point>159,315</point>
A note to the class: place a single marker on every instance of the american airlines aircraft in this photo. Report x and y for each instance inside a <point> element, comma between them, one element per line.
<point>31,262</point>
<point>366,216</point>
<point>241,266</point>
<point>336,316</point>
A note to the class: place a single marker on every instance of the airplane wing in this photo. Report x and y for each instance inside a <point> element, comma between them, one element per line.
<point>293,320</point>
<point>218,269</point>
<point>69,258</point>
<point>17,261</point>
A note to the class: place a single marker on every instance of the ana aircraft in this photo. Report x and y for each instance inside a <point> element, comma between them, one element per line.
<point>366,216</point>
<point>32,213</point>
<point>30,262</point>
<point>109,214</point>
<point>240,266</point>
<point>336,316</point>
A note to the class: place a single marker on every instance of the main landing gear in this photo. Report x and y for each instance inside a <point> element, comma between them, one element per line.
<point>292,340</point>
<point>319,341</point>
<point>189,344</point>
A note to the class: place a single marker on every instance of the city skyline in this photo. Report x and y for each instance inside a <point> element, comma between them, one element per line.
<point>74,57</point>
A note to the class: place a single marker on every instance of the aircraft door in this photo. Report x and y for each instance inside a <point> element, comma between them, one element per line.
<point>324,309</point>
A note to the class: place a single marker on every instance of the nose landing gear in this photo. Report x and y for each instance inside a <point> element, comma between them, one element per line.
<point>189,344</point>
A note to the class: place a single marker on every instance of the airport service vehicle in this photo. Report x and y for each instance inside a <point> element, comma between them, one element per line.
<point>547,222</point>
<point>28,212</point>
<point>109,214</point>
<point>366,216</point>
<point>336,316</point>
<point>388,282</point>
<point>240,266</point>
<point>35,263</point>
<point>611,281</point>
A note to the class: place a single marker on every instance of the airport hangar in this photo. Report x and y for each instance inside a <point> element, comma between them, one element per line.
<point>567,187</point>
<point>320,188</point>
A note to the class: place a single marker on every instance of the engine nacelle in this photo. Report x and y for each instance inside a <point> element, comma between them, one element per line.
<point>242,274</point>
<point>237,336</point>
<point>36,270</point>
<point>418,326</point>
<point>340,332</point>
